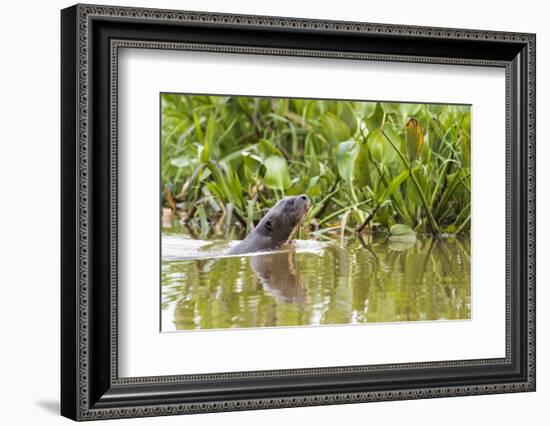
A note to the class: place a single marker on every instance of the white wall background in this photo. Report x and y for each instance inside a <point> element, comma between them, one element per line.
<point>29,211</point>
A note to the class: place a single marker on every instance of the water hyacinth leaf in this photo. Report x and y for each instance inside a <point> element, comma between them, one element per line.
<point>368,108</point>
<point>276,175</point>
<point>409,110</point>
<point>390,153</point>
<point>375,140</point>
<point>345,159</point>
<point>361,166</point>
<point>252,162</point>
<point>347,114</point>
<point>401,233</point>
<point>314,187</point>
<point>390,108</point>
<point>334,129</point>
<point>374,120</point>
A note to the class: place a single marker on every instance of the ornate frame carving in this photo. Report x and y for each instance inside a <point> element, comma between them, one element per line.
<point>84,397</point>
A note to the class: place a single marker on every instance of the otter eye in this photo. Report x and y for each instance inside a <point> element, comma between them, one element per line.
<point>268,225</point>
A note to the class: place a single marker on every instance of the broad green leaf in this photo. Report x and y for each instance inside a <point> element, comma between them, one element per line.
<point>391,108</point>
<point>345,158</point>
<point>409,110</point>
<point>314,188</point>
<point>376,142</point>
<point>402,233</point>
<point>251,161</point>
<point>347,114</point>
<point>361,166</point>
<point>374,121</point>
<point>276,175</point>
<point>334,129</point>
<point>401,229</point>
<point>389,151</point>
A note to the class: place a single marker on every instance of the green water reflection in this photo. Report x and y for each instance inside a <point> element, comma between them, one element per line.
<point>382,281</point>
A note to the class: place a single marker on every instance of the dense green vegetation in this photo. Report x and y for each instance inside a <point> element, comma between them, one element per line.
<point>364,165</point>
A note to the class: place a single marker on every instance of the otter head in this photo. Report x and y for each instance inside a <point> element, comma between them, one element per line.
<point>283,220</point>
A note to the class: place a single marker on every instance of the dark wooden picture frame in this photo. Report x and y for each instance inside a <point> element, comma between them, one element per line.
<point>90,386</point>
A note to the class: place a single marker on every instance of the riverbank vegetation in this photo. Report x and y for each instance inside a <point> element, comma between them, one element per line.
<point>398,168</point>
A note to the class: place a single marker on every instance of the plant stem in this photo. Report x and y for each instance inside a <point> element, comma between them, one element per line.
<point>367,220</point>
<point>433,223</point>
<point>431,218</point>
<point>464,224</point>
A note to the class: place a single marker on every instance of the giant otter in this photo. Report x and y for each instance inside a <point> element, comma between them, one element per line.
<point>276,228</point>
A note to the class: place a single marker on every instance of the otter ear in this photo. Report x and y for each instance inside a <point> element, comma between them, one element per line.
<point>268,225</point>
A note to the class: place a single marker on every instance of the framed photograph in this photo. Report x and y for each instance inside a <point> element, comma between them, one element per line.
<point>263,212</point>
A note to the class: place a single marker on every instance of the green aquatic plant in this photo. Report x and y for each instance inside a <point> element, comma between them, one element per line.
<point>364,165</point>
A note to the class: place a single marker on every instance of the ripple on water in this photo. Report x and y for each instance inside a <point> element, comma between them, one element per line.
<point>182,248</point>
<point>317,283</point>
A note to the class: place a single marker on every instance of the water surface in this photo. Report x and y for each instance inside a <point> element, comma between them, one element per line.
<point>316,283</point>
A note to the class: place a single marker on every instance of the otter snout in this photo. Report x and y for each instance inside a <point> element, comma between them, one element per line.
<point>300,200</point>
<point>304,201</point>
<point>296,206</point>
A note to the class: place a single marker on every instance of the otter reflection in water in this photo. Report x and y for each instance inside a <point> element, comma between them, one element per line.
<point>279,276</point>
